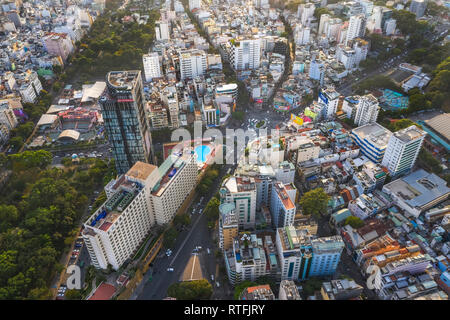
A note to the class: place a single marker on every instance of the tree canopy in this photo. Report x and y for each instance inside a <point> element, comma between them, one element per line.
<point>314,202</point>
<point>39,213</point>
<point>354,222</point>
<point>190,290</point>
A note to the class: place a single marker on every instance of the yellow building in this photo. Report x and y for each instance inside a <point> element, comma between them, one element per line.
<point>228,225</point>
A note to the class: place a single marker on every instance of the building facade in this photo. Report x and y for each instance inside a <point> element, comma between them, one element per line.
<point>125,118</point>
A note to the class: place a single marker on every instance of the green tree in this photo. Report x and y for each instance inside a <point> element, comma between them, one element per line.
<point>190,290</point>
<point>354,222</point>
<point>212,209</point>
<point>314,202</point>
<point>310,286</point>
<point>320,11</point>
<point>182,219</point>
<point>169,237</point>
<point>73,295</point>
<point>428,162</point>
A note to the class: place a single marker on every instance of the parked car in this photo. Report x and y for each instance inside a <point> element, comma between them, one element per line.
<point>212,277</point>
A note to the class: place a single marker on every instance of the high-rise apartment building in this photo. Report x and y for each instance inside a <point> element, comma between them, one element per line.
<point>294,252</point>
<point>246,260</point>
<point>301,35</point>
<point>324,18</point>
<point>330,98</point>
<point>403,149</point>
<point>193,63</point>
<point>356,28</point>
<point>282,205</point>
<point>306,12</point>
<point>126,122</point>
<point>228,225</point>
<point>366,110</point>
<point>58,44</point>
<point>326,255</point>
<point>245,54</point>
<point>373,139</point>
<point>169,97</point>
<point>242,192</point>
<point>162,31</point>
<point>152,67</point>
<point>317,71</point>
<point>390,26</point>
<point>418,7</point>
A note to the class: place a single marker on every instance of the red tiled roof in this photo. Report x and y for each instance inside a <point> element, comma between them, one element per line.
<point>104,292</point>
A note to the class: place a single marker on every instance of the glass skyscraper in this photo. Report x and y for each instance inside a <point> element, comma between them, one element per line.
<point>125,119</point>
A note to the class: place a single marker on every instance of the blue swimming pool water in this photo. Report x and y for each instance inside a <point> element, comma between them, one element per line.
<point>202,151</point>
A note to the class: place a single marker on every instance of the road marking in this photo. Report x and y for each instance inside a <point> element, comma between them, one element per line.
<point>184,242</point>
<point>192,272</point>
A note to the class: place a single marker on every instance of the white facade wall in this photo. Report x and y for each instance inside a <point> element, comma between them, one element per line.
<point>152,68</point>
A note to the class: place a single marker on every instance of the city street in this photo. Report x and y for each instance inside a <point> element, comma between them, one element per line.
<point>197,234</point>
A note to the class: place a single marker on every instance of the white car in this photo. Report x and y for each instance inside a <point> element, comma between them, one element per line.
<point>212,277</point>
<point>209,251</point>
<point>170,269</point>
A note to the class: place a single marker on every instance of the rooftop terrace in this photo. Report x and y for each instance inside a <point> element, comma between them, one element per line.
<point>123,79</point>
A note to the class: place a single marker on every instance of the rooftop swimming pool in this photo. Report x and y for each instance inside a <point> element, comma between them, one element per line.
<point>202,152</point>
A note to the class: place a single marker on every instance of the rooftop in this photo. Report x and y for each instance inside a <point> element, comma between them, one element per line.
<point>327,244</point>
<point>262,292</point>
<point>440,124</point>
<point>169,169</point>
<point>103,292</point>
<point>123,79</point>
<point>290,290</point>
<point>418,188</point>
<point>140,170</point>
<point>409,134</point>
<point>293,238</point>
<point>283,195</point>
<point>374,133</point>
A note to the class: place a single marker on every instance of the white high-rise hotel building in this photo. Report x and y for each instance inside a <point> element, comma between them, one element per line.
<point>144,196</point>
<point>402,150</point>
<point>152,68</point>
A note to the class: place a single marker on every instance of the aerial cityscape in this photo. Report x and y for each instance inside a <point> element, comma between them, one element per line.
<point>224,150</point>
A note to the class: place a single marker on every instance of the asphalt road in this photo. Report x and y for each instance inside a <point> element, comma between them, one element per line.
<point>198,234</point>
